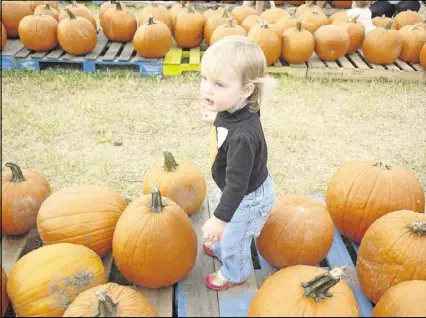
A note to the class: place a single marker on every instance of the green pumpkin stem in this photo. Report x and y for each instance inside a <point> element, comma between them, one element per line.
<point>118,6</point>
<point>299,25</point>
<point>354,19</point>
<point>230,23</point>
<point>170,163</point>
<point>71,15</point>
<point>151,20</point>
<point>106,306</point>
<point>225,13</point>
<point>419,227</point>
<point>46,5</point>
<point>318,288</point>
<point>17,175</point>
<point>382,165</point>
<point>190,9</point>
<point>157,202</point>
<point>389,25</point>
<point>310,3</point>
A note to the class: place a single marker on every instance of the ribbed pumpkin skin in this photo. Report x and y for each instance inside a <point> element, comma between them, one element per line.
<point>54,13</point>
<point>299,231</point>
<point>422,58</point>
<point>189,28</point>
<point>154,249</point>
<point>407,18</point>
<point>282,296</point>
<point>413,39</point>
<point>35,4</point>
<point>3,36</point>
<point>268,41</point>
<point>12,12</point>
<point>153,39</point>
<point>298,45</point>
<point>79,10</point>
<point>382,46</point>
<point>356,32</point>
<point>4,298</point>
<point>390,253</point>
<point>360,192</point>
<point>214,21</point>
<point>44,282</point>
<point>119,25</point>
<point>131,303</point>
<point>223,31</point>
<point>240,13</point>
<point>84,215</point>
<point>405,299</point>
<point>383,22</point>
<point>105,7</point>
<point>77,36</point>
<point>305,8</point>
<point>273,15</point>
<point>39,32</point>
<point>313,20</point>
<point>159,13</point>
<point>331,42</point>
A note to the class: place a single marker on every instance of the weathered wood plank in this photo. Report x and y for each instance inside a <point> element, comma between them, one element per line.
<point>39,55</point>
<point>160,298</point>
<point>315,62</point>
<point>354,57</point>
<point>23,53</point>
<point>112,51</point>
<point>392,67</point>
<point>127,52</point>
<point>56,53</point>
<point>174,56</point>
<point>332,64</point>
<point>374,66</point>
<point>12,47</point>
<point>417,67</point>
<point>403,65</point>
<point>345,63</point>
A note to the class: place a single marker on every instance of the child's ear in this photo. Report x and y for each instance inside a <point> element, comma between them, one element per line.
<point>248,90</point>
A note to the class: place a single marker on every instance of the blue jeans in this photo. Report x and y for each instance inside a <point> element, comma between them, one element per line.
<point>233,250</point>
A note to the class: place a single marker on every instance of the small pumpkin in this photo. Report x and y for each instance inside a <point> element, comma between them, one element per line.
<point>413,39</point>
<point>214,21</point>
<point>183,183</point>
<point>268,41</point>
<point>152,39</point>
<point>250,21</point>
<point>309,6</point>
<point>76,35</point>
<point>12,12</point>
<point>382,45</point>
<point>111,300</point>
<point>79,10</point>
<point>331,42</point>
<point>383,21</point>
<point>342,4</point>
<point>47,10</point>
<point>189,28</point>
<point>407,18</point>
<point>3,36</point>
<point>422,58</point>
<point>287,23</point>
<point>298,45</point>
<point>4,298</point>
<point>63,270</point>
<point>154,243</point>
<point>240,13</point>
<point>313,20</point>
<point>23,192</point>
<point>227,30</point>
<point>39,32</point>
<point>356,32</point>
<point>304,291</point>
<point>273,14</point>
<point>105,7</point>
<point>395,303</point>
<point>392,251</point>
<point>120,24</point>
<point>159,13</point>
<point>360,192</point>
<point>218,10</point>
<point>35,4</point>
<point>338,17</point>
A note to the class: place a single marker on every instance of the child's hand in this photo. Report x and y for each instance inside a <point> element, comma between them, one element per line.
<point>213,230</point>
<point>209,117</point>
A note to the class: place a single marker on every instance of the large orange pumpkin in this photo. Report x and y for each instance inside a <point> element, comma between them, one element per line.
<point>22,193</point>
<point>309,6</point>
<point>152,39</point>
<point>39,32</point>
<point>227,30</point>
<point>383,21</point>
<point>240,13</point>
<point>12,12</point>
<point>4,298</point>
<point>159,13</point>
<point>184,183</point>
<point>299,231</point>
<point>298,44</point>
<point>119,24</point>
<point>84,215</point>
<point>79,10</point>
<point>268,40</point>
<point>111,300</point>
<point>47,9</point>
<point>356,32</point>
<point>154,242</point>
<point>407,18</point>
<point>189,28</point>
<point>63,271</point>
<point>413,39</point>
<point>313,20</point>
<point>304,291</point>
<point>331,42</point>
<point>35,4</point>
<point>214,21</point>
<point>382,45</point>
<point>392,251</point>
<point>405,299</point>
<point>422,58</point>
<point>273,14</point>
<point>360,192</point>
<point>3,36</point>
<point>105,7</point>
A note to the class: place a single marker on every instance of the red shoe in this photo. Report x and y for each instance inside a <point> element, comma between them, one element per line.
<point>208,250</point>
<point>216,282</point>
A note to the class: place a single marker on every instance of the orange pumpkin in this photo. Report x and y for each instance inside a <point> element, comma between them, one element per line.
<point>79,10</point>
<point>23,191</point>
<point>313,20</point>
<point>63,272</point>
<point>4,298</point>
<point>35,4</point>
<point>268,41</point>
<point>250,21</point>
<point>304,291</point>
<point>105,7</point>
<point>3,36</point>
<point>111,300</point>
<point>422,58</point>
<point>395,303</point>
<point>189,28</point>
<point>157,234</point>
<point>48,10</point>
<point>84,215</point>
<point>407,18</point>
<point>356,32</point>
<point>273,14</point>
<point>39,32</point>
<point>342,4</point>
<point>12,12</point>
<point>421,25</point>
<point>383,21</point>
<point>287,23</point>
<point>298,45</point>
<point>76,35</point>
<point>120,24</point>
<point>152,39</point>
<point>214,21</point>
<point>309,6</point>
<point>331,42</point>
<point>240,13</point>
<point>176,9</point>
<point>207,14</point>
<point>338,17</point>
<point>413,39</point>
<point>159,13</point>
<point>392,251</point>
<point>382,45</point>
<point>360,192</point>
<point>183,183</point>
<point>227,30</point>
<point>299,230</point>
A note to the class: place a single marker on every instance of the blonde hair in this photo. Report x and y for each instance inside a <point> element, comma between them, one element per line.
<point>362,4</point>
<point>247,59</point>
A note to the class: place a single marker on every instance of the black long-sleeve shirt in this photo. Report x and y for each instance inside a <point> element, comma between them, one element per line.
<point>240,164</point>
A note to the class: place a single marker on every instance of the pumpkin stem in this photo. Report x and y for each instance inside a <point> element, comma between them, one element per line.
<point>46,5</point>
<point>71,15</point>
<point>230,24</point>
<point>226,12</point>
<point>419,227</point>
<point>354,19</point>
<point>17,175</point>
<point>106,306</point>
<point>157,202</point>
<point>299,25</point>
<point>389,25</point>
<point>170,163</point>
<point>74,3</point>
<point>190,9</point>
<point>151,20</point>
<point>310,3</point>
<point>264,25</point>
<point>382,165</point>
<point>118,6</point>
<point>113,1</point>
<point>318,287</point>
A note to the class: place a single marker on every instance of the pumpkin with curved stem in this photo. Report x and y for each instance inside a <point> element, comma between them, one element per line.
<point>342,4</point>
<point>214,21</point>
<point>392,251</point>
<point>422,58</point>
<point>105,7</point>
<point>273,14</point>
<point>313,20</point>
<point>298,44</point>
<point>3,36</point>
<point>39,32</point>
<point>189,28</point>
<point>309,6</point>
<point>76,35</point>
<point>47,10</point>
<point>79,10</point>
<point>227,30</point>
<point>159,13</point>
<point>304,291</point>
<point>152,39</point>
<point>382,45</point>
<point>23,191</point>
<point>356,32</point>
<point>12,12</point>
<point>268,40</point>
<point>250,21</point>
<point>84,215</point>
<point>407,18</point>
<point>240,13</point>
<point>184,183</point>
<point>154,243</point>
<point>331,42</point>
<point>395,303</point>
<point>413,39</point>
<point>360,192</point>
<point>35,4</point>
<point>299,230</point>
<point>63,272</point>
<point>111,300</point>
<point>120,24</point>
<point>4,298</point>
<point>383,21</point>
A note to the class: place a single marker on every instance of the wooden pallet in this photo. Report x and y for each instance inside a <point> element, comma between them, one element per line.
<point>179,60</point>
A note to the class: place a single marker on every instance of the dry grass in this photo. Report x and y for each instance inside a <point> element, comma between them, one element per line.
<point>63,124</point>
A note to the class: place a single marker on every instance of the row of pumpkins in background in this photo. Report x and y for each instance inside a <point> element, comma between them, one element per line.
<point>154,243</point>
<point>295,37</point>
